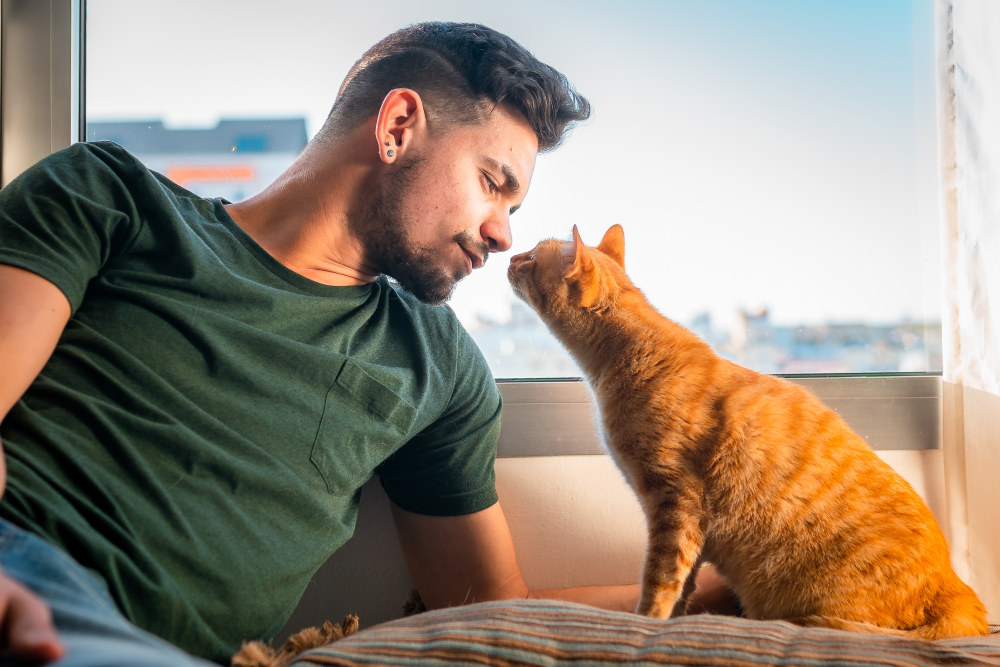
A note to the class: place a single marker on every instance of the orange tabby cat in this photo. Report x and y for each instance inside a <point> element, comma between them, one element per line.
<point>742,470</point>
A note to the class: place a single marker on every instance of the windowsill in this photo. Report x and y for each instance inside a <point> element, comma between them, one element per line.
<point>891,411</point>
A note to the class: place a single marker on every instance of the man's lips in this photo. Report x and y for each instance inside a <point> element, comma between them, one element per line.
<point>475,260</point>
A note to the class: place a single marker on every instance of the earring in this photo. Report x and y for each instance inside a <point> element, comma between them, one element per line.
<point>387,143</point>
<point>390,152</point>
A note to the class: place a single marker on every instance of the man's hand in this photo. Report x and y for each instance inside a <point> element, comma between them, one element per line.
<point>26,630</point>
<point>33,313</point>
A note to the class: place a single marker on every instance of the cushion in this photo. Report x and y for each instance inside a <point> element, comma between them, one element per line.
<point>544,632</point>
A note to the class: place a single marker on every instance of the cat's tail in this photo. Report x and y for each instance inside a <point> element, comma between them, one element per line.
<point>957,615</point>
<point>956,612</point>
<point>836,623</point>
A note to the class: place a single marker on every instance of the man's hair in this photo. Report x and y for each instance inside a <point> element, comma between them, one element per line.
<point>461,71</point>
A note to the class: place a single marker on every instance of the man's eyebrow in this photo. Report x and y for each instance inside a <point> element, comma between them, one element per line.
<point>512,183</point>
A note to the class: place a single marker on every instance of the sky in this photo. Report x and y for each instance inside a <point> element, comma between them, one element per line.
<point>764,153</point>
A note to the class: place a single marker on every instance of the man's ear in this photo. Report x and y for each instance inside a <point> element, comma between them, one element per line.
<point>581,276</point>
<point>400,118</point>
<point>613,244</point>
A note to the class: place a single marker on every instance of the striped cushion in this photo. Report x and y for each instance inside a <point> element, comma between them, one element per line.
<point>539,632</point>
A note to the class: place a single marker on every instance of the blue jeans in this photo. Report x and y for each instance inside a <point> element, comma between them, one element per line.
<point>93,631</point>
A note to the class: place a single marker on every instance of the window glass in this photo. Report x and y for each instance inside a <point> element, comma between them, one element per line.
<point>772,163</point>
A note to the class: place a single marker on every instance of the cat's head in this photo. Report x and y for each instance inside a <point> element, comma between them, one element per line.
<point>558,278</point>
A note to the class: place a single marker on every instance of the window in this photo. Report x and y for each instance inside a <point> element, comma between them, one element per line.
<point>773,163</point>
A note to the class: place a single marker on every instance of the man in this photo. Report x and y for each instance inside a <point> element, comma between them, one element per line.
<point>194,391</point>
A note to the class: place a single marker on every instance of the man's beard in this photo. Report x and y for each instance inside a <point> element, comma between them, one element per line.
<point>419,269</point>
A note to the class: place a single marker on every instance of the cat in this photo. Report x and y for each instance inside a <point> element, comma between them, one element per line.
<point>745,471</point>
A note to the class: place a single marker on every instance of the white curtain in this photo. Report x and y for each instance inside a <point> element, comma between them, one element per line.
<point>968,57</point>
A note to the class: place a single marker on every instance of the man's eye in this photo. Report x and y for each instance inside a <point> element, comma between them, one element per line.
<point>491,184</point>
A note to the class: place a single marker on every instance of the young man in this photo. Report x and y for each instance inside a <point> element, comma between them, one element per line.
<point>193,391</point>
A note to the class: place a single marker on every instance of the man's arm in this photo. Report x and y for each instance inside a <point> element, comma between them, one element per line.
<point>33,314</point>
<point>470,558</point>
<point>460,559</point>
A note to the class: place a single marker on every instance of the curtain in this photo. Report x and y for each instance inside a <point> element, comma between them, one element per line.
<point>967,38</point>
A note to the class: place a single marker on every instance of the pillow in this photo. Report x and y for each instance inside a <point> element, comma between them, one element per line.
<point>549,633</point>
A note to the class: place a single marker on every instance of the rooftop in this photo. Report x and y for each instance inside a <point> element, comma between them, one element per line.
<point>278,135</point>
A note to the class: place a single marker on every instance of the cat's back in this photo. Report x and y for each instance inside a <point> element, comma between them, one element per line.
<point>793,451</point>
<point>812,521</point>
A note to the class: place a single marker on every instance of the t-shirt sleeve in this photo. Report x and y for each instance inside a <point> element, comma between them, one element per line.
<point>67,215</point>
<point>447,469</point>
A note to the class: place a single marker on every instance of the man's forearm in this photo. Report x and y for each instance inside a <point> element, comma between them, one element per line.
<point>712,595</point>
<point>615,598</point>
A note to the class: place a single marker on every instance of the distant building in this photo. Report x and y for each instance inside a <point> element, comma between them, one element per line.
<point>833,348</point>
<point>523,347</point>
<point>234,160</point>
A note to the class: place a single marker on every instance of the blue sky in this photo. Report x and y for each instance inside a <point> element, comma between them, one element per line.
<point>764,153</point>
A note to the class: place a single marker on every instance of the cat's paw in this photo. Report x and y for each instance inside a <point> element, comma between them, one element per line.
<point>656,606</point>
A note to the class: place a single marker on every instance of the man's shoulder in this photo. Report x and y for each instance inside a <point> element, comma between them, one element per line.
<point>88,169</point>
<point>108,153</point>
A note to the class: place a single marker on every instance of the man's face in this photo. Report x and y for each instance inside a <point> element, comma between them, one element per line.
<point>447,206</point>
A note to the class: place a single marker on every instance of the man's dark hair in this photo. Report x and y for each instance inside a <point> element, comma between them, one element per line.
<point>461,71</point>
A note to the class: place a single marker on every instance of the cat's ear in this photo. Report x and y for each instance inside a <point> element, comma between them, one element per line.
<point>580,275</point>
<point>582,262</point>
<point>613,244</point>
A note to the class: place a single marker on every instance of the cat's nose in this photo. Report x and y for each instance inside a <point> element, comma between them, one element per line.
<point>515,264</point>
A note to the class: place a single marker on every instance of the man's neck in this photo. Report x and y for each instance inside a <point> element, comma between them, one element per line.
<point>301,219</point>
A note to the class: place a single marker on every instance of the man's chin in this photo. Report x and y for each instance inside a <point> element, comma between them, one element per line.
<point>433,291</point>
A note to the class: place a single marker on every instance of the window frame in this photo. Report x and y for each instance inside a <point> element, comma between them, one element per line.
<point>891,411</point>
<point>42,109</point>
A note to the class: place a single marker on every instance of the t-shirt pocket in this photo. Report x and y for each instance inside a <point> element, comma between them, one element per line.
<point>363,423</point>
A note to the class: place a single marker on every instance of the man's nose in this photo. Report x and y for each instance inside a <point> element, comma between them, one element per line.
<point>496,232</point>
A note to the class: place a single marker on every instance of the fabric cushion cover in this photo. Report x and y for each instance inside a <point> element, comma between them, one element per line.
<point>543,632</point>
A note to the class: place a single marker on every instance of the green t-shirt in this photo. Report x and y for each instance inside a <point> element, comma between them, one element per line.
<point>201,433</point>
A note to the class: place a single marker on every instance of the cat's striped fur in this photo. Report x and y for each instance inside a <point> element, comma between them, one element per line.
<point>746,471</point>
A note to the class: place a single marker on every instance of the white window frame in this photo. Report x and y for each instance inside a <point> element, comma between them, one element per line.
<point>42,74</point>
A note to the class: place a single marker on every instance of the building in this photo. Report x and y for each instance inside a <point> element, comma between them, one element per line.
<point>234,160</point>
